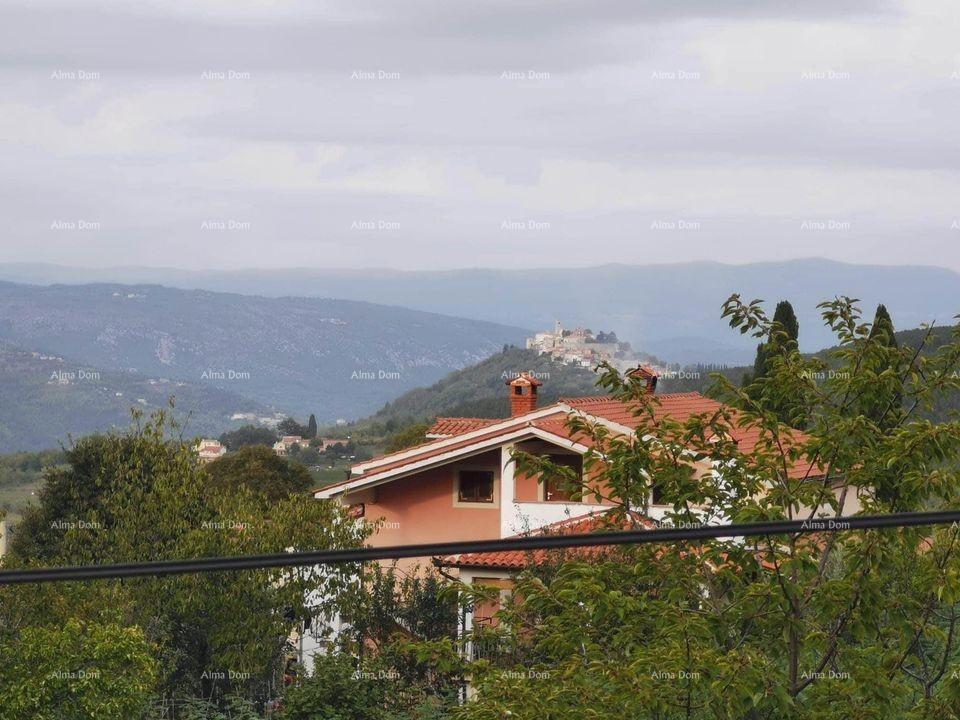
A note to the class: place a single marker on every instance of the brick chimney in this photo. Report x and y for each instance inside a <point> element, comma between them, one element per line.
<point>523,394</point>
<point>647,375</point>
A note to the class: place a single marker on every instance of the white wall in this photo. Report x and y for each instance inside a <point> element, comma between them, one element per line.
<point>520,517</point>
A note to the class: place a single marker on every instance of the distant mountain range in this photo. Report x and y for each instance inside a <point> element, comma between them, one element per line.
<point>46,399</point>
<point>334,358</point>
<point>672,311</point>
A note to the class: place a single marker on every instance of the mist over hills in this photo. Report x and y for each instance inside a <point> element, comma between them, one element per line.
<point>47,399</point>
<point>672,311</point>
<point>335,358</point>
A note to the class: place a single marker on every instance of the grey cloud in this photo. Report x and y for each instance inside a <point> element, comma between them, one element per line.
<point>427,36</point>
<point>449,151</point>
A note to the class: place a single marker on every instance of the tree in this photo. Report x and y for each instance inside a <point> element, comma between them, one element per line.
<point>248,435</point>
<point>289,426</point>
<point>790,328</point>
<point>408,437</point>
<point>850,624</point>
<point>311,427</point>
<point>76,489</point>
<point>781,340</point>
<point>338,690</point>
<point>142,495</point>
<point>883,324</point>
<point>380,667</point>
<point>260,470</point>
<point>75,672</point>
<point>884,405</point>
<point>885,362</point>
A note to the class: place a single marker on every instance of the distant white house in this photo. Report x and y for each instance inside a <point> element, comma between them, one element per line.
<point>209,450</point>
<point>282,446</point>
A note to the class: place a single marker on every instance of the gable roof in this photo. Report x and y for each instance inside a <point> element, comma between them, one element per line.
<point>548,424</point>
<point>453,438</point>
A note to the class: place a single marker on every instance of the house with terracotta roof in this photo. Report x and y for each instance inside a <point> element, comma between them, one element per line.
<point>209,450</point>
<point>463,484</point>
<point>282,446</point>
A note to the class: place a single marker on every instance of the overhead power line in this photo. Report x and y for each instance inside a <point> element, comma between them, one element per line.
<point>531,542</point>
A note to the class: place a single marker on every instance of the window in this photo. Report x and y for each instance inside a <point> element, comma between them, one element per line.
<point>656,494</point>
<point>556,489</point>
<point>476,486</point>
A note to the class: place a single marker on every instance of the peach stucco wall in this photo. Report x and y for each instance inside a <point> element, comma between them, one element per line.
<point>421,508</point>
<point>528,488</point>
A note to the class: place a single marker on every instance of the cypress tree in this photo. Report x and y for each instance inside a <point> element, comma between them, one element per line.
<point>882,323</point>
<point>312,427</point>
<point>783,340</point>
<point>884,406</point>
<point>787,320</point>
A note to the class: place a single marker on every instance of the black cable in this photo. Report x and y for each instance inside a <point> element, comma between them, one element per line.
<point>534,542</point>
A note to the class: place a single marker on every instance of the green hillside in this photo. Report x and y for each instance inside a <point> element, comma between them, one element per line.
<point>698,377</point>
<point>335,358</point>
<point>21,475</point>
<point>480,390</point>
<point>46,399</point>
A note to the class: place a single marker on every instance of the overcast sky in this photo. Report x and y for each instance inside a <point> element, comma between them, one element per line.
<point>422,134</point>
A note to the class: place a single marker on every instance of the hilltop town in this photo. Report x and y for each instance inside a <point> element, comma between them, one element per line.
<point>584,348</point>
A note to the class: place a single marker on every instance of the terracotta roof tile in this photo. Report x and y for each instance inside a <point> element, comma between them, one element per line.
<point>518,559</point>
<point>440,446</point>
<point>677,406</point>
<point>449,426</point>
<point>680,407</point>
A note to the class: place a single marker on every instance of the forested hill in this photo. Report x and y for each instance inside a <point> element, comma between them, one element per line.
<point>698,378</point>
<point>335,358</point>
<point>480,390</point>
<point>44,400</point>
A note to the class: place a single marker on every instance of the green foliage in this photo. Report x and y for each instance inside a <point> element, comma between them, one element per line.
<point>248,435</point>
<point>143,496</point>
<point>782,338</point>
<point>788,325</point>
<point>408,437</point>
<point>39,412</point>
<point>337,690</point>
<point>21,474</point>
<point>260,470</point>
<point>23,467</point>
<point>306,455</point>
<point>231,708</point>
<point>395,658</point>
<point>289,426</point>
<point>311,427</point>
<point>479,390</point>
<point>858,624</point>
<point>412,605</point>
<point>76,672</point>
